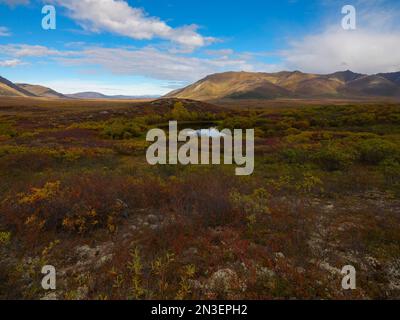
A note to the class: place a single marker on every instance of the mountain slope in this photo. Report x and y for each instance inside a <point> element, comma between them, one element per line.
<point>248,85</point>
<point>9,89</point>
<point>394,77</point>
<point>40,91</point>
<point>345,76</point>
<point>231,84</point>
<point>374,85</point>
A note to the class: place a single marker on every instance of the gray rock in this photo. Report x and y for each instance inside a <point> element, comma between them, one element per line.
<point>85,252</point>
<point>326,266</point>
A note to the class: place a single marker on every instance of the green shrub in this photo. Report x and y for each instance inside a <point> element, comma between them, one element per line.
<point>333,158</point>
<point>5,237</point>
<point>374,151</point>
<point>294,156</point>
<point>122,130</point>
<point>7,130</point>
<point>180,113</point>
<point>238,123</point>
<point>391,171</point>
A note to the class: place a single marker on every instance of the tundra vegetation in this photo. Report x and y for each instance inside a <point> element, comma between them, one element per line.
<point>77,193</point>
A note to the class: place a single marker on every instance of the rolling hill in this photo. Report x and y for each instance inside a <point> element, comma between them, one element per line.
<point>40,91</point>
<point>87,95</point>
<point>97,95</point>
<point>248,85</point>
<point>9,89</point>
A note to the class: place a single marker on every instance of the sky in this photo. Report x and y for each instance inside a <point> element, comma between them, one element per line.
<point>150,47</point>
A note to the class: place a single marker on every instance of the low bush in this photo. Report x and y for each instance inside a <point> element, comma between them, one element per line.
<point>122,130</point>
<point>374,151</point>
<point>77,205</point>
<point>295,155</point>
<point>333,157</point>
<point>7,130</point>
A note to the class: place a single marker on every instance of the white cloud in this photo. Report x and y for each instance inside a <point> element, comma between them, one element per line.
<point>156,64</point>
<point>333,50</point>
<point>372,48</point>
<point>4,32</point>
<point>70,86</point>
<point>118,17</point>
<point>25,50</point>
<point>148,62</point>
<point>10,63</point>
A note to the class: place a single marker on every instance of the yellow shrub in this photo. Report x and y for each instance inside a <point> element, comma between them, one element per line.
<point>49,190</point>
<point>5,237</point>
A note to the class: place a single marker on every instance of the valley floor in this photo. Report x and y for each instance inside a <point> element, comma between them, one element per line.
<point>77,193</point>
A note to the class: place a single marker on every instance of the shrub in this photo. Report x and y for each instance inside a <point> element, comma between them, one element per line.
<point>179,112</point>
<point>253,204</point>
<point>309,184</point>
<point>301,125</point>
<point>237,123</point>
<point>333,158</point>
<point>294,156</point>
<point>78,205</point>
<point>374,151</point>
<point>5,237</point>
<point>7,130</point>
<point>122,130</point>
<point>202,196</point>
<point>391,171</point>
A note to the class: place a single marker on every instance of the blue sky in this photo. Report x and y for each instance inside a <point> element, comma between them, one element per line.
<point>153,46</point>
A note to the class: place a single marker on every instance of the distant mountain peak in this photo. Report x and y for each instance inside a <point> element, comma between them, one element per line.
<point>347,75</point>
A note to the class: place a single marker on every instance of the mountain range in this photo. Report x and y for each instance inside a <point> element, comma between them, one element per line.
<point>10,89</point>
<point>97,95</point>
<point>249,85</point>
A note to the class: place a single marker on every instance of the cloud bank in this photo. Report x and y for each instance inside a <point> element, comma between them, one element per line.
<point>10,63</point>
<point>139,62</point>
<point>360,50</point>
<point>118,17</point>
<point>372,48</point>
